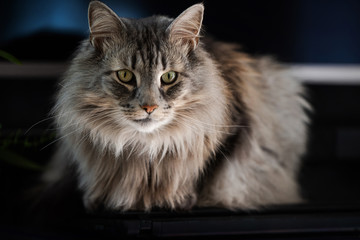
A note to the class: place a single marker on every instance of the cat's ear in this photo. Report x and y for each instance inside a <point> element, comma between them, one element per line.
<point>185,29</point>
<point>104,24</point>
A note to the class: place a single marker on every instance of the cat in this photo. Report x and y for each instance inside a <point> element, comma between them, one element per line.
<point>152,114</point>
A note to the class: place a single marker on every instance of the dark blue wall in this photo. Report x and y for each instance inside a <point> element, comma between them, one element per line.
<point>311,31</point>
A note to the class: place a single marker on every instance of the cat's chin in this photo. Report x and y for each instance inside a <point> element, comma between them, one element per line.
<point>146,125</point>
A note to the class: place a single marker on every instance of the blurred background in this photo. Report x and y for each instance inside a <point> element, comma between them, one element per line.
<point>320,31</point>
<point>318,39</point>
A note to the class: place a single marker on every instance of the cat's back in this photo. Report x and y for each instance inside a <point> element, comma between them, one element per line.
<point>274,101</point>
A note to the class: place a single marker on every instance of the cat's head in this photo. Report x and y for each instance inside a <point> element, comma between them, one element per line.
<point>141,69</point>
<point>141,74</point>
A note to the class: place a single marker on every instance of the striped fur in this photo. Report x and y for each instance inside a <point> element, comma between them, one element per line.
<point>228,132</point>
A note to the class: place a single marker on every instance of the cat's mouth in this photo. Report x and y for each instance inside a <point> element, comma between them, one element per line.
<point>145,125</point>
<point>144,120</point>
<point>148,124</point>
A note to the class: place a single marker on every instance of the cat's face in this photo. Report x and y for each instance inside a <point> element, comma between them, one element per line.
<point>144,66</point>
<point>147,82</point>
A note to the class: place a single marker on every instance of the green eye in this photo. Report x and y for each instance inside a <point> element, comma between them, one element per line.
<point>125,75</point>
<point>169,77</point>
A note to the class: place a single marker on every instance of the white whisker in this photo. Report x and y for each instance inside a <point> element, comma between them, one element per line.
<point>211,128</point>
<point>56,140</point>
<point>41,121</point>
<point>60,115</point>
<point>211,124</point>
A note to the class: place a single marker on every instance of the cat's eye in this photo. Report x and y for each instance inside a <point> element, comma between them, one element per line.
<point>169,77</point>
<point>125,75</point>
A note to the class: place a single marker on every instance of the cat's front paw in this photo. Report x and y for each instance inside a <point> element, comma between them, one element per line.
<point>188,202</point>
<point>91,206</point>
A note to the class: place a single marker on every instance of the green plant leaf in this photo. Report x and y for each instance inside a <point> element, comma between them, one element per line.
<point>18,160</point>
<point>9,57</point>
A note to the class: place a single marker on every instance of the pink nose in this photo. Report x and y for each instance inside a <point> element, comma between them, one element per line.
<point>149,109</point>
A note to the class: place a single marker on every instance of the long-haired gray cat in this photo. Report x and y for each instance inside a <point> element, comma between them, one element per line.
<point>150,114</point>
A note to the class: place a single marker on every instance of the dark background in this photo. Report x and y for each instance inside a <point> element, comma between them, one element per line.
<point>305,31</point>
<point>294,31</point>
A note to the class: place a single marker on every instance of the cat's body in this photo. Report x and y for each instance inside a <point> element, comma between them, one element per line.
<point>198,123</point>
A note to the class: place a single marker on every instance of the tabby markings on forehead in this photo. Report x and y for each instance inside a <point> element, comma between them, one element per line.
<point>148,45</point>
<point>145,60</point>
